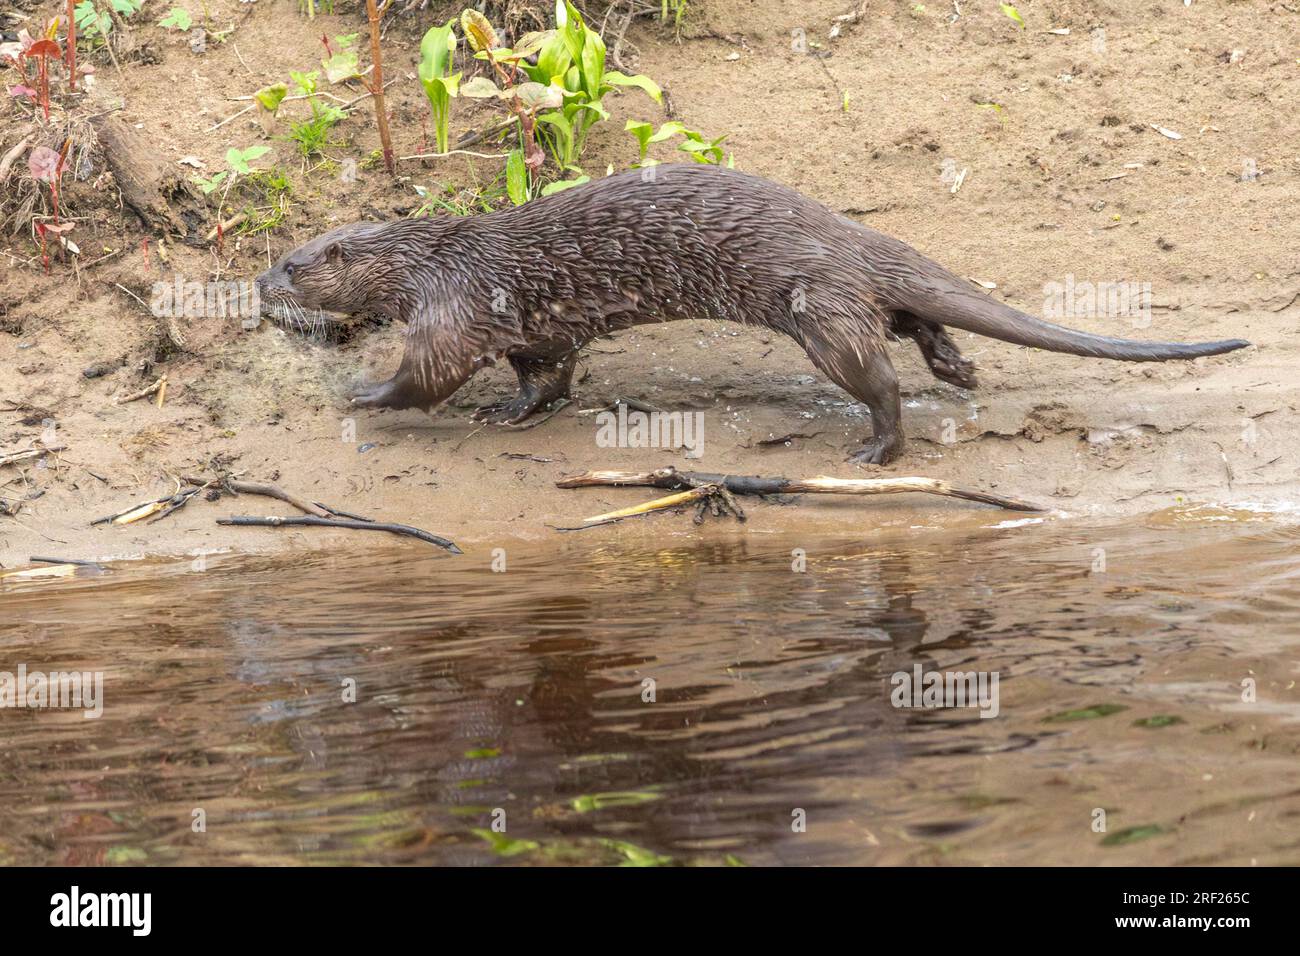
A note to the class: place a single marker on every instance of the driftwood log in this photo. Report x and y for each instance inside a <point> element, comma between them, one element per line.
<point>157,190</point>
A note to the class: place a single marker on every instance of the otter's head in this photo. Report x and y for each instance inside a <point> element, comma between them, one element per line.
<point>335,272</point>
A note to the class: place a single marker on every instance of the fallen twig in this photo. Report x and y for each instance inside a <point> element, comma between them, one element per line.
<point>226,226</point>
<point>80,562</point>
<point>315,522</point>
<point>26,453</point>
<point>157,387</point>
<point>632,404</point>
<point>671,478</point>
<point>8,160</point>
<point>271,491</point>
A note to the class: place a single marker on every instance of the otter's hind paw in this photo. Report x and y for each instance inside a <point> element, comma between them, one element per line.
<point>878,451</point>
<point>508,411</point>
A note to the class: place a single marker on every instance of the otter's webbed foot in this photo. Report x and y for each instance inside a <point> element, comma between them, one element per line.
<point>947,363</point>
<point>542,381</point>
<point>937,348</point>
<point>509,411</point>
<point>878,451</point>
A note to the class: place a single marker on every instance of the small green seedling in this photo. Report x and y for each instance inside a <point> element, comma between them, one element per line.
<point>237,161</point>
<point>313,135</point>
<point>178,19</point>
<point>700,149</point>
<point>437,51</point>
<point>341,64</point>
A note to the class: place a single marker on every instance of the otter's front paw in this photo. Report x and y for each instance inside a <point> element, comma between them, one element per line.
<point>375,396</point>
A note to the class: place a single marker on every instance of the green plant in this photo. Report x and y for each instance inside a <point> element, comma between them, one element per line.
<point>313,135</point>
<point>564,90</point>
<point>341,64</point>
<point>177,19</point>
<point>674,8</point>
<point>268,193</point>
<point>463,202</point>
<point>309,7</point>
<point>518,186</point>
<point>574,59</point>
<point>237,163</point>
<point>701,150</point>
<point>94,24</point>
<point>437,50</point>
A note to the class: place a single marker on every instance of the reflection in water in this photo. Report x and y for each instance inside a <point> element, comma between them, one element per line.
<point>621,704</point>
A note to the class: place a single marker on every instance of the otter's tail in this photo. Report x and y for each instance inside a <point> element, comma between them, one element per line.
<point>955,304</point>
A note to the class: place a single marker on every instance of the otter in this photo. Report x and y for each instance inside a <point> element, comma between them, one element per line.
<point>535,283</point>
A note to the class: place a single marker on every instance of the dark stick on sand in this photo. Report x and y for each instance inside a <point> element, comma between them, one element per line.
<point>314,522</point>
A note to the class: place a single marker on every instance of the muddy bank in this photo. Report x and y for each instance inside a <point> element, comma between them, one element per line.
<point>1062,179</point>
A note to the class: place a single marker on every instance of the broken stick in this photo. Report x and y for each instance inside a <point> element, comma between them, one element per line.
<point>672,479</point>
<point>314,522</point>
<point>10,458</point>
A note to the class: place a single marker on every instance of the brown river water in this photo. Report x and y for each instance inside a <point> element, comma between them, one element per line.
<point>1146,701</point>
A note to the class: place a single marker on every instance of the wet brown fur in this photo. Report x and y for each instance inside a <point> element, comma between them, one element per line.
<point>535,283</point>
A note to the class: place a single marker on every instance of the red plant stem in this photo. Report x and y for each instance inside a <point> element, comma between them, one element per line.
<point>58,175</point>
<point>323,39</point>
<point>72,45</point>
<point>41,71</point>
<point>534,158</point>
<point>377,87</point>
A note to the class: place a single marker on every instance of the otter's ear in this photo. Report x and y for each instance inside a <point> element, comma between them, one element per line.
<point>334,253</point>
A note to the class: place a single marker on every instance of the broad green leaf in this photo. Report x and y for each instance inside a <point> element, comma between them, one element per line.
<point>537,96</point>
<point>478,31</point>
<point>517,177</point>
<point>559,187</point>
<point>436,51</point>
<point>270,97</point>
<point>533,42</point>
<point>479,88</point>
<point>179,18</point>
<point>305,81</point>
<point>593,65</point>
<point>341,66</point>
<point>238,160</point>
<point>554,59</point>
<point>640,81</point>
